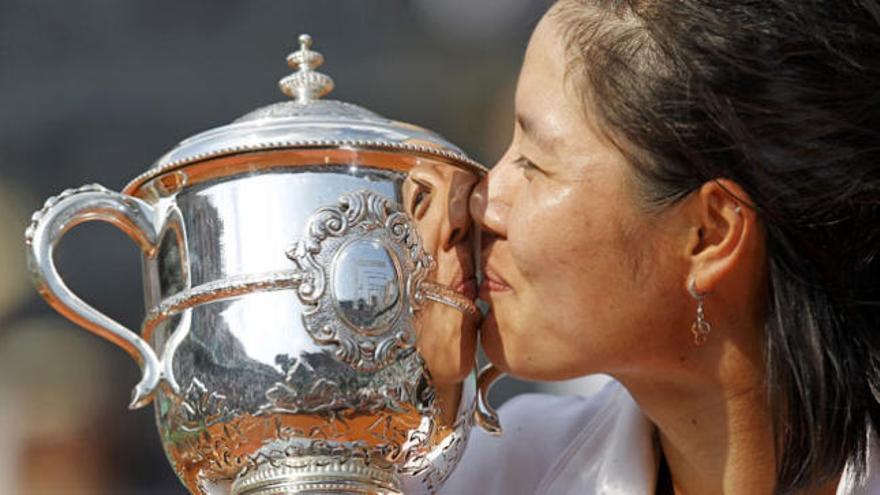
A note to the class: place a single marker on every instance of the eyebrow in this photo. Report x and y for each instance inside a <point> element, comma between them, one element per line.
<point>533,128</point>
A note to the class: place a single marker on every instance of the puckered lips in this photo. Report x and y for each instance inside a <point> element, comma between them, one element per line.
<point>492,282</point>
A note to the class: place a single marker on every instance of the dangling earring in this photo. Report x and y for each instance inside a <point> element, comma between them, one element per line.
<point>700,328</point>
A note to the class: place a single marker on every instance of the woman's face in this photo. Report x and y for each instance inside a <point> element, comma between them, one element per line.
<point>579,276</point>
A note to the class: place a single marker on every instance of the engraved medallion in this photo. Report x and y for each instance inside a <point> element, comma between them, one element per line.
<point>350,266</point>
<point>366,286</point>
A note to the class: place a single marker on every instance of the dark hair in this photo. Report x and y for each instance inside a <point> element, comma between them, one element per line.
<point>783,98</point>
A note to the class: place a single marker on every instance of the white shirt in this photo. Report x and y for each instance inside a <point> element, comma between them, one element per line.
<point>573,445</point>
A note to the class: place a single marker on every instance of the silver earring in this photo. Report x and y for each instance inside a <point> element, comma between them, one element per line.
<point>700,328</point>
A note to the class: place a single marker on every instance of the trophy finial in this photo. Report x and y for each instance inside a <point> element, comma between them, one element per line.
<point>306,84</point>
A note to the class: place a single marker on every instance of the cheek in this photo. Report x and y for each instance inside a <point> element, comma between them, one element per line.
<point>557,238</point>
<point>581,282</point>
<point>429,230</point>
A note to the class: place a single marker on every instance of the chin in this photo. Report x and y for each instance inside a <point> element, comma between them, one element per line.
<point>501,348</point>
<point>517,354</point>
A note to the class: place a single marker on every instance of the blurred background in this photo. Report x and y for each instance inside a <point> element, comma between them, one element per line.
<point>95,90</point>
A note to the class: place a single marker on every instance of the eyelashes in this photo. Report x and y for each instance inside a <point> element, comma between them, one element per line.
<point>527,166</point>
<point>421,200</point>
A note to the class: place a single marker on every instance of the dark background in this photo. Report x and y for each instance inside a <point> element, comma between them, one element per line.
<point>95,90</point>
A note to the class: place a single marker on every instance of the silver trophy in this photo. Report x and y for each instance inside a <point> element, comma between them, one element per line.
<point>303,268</point>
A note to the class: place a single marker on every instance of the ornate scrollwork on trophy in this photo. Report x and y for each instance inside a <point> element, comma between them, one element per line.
<point>429,463</point>
<point>201,407</point>
<point>328,392</point>
<point>359,267</point>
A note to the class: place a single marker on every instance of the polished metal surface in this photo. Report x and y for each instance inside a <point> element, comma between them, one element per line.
<point>299,306</point>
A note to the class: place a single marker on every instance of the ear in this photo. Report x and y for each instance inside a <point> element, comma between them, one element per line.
<point>723,235</point>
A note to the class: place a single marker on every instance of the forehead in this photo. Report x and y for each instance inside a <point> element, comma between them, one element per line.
<point>546,96</point>
<point>543,70</point>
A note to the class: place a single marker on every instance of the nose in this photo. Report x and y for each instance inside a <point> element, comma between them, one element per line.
<point>457,221</point>
<point>490,201</point>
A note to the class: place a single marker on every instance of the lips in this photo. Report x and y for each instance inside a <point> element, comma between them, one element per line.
<point>492,282</point>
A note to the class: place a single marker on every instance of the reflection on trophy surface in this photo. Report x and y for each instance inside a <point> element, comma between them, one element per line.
<point>436,197</point>
<point>309,281</point>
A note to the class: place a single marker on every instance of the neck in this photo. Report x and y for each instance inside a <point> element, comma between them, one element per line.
<point>720,446</point>
<point>714,421</point>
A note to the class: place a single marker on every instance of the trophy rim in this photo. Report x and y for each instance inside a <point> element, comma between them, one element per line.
<point>315,124</point>
<point>171,179</point>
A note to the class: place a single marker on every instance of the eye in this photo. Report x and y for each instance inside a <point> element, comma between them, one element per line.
<point>528,167</point>
<point>421,200</point>
<point>420,197</point>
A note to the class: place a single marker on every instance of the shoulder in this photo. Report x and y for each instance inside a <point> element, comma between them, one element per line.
<point>539,432</point>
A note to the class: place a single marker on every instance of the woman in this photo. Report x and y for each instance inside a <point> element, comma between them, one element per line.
<point>689,204</point>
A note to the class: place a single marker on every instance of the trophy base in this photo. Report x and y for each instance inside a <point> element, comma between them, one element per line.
<point>316,476</point>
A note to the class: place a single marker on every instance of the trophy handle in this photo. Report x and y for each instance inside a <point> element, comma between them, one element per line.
<point>139,221</point>
<point>485,414</point>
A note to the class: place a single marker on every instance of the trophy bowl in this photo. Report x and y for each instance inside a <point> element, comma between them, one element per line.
<point>305,268</point>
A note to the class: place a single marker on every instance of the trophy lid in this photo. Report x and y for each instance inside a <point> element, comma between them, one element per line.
<point>306,121</point>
